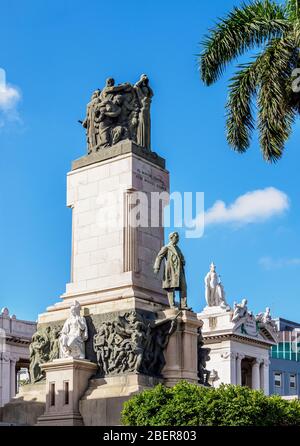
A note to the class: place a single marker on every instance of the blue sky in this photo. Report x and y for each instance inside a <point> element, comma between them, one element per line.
<point>55,53</point>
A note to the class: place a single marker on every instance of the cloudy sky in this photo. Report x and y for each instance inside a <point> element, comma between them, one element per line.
<point>53,55</point>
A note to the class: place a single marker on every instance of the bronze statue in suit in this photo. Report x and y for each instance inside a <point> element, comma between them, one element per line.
<point>174,275</point>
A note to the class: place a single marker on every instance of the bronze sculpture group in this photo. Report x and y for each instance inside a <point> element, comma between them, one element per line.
<point>119,112</point>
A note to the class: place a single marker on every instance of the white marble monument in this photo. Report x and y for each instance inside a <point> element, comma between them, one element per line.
<point>240,343</point>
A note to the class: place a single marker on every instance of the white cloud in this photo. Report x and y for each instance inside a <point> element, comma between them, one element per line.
<point>9,98</point>
<point>269,263</point>
<point>254,206</point>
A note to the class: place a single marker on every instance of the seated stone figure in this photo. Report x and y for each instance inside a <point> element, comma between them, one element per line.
<point>240,310</point>
<point>73,335</point>
<point>266,318</point>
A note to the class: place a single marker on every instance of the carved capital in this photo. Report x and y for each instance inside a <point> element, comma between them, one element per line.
<point>5,356</point>
<point>240,356</point>
<point>257,361</point>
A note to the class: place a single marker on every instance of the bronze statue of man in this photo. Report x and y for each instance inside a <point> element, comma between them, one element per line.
<point>174,275</point>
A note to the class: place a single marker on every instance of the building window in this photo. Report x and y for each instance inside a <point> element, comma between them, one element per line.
<point>293,381</point>
<point>277,379</point>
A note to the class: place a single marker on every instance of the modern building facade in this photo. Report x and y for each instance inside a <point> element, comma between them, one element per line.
<point>285,360</point>
<point>15,338</point>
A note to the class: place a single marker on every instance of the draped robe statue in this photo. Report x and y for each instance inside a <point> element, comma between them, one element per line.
<point>73,335</point>
<point>214,290</point>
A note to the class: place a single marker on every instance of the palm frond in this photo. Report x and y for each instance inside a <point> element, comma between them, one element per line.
<point>240,121</point>
<point>293,9</point>
<point>276,116</point>
<point>244,28</point>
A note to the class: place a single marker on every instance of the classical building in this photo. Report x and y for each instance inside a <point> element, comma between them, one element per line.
<point>285,360</point>
<point>238,341</point>
<point>15,338</point>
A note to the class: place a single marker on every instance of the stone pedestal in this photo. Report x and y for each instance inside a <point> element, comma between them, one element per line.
<point>66,381</point>
<point>112,259</point>
<point>182,351</point>
<point>102,403</point>
<point>27,406</point>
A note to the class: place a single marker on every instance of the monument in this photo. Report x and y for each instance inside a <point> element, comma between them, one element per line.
<point>116,330</point>
<point>238,342</point>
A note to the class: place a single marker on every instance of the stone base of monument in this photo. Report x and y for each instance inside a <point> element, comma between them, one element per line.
<point>66,381</point>
<point>102,403</point>
<point>182,351</point>
<point>26,406</point>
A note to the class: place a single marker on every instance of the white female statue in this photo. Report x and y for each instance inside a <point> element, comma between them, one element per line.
<point>214,290</point>
<point>73,335</point>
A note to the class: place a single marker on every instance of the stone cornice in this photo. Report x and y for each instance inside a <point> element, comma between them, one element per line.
<point>235,336</point>
<point>16,340</point>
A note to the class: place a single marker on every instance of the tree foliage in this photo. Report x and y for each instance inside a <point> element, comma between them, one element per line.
<point>187,404</point>
<point>267,78</point>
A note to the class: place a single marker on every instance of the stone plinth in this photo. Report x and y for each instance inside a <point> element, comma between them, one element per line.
<point>66,381</point>
<point>102,403</point>
<point>111,259</point>
<point>27,406</point>
<point>182,351</point>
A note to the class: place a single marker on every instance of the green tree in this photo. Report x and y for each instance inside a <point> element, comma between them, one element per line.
<point>191,405</point>
<point>267,79</point>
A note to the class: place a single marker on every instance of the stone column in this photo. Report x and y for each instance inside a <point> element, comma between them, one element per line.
<point>229,368</point>
<point>256,374</point>
<point>130,256</point>
<point>239,359</point>
<point>5,378</point>
<point>264,376</point>
<point>13,361</point>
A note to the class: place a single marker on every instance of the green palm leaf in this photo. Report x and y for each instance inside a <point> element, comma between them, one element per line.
<point>267,78</point>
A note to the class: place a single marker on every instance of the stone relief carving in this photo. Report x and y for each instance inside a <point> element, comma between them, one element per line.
<point>73,335</point>
<point>44,347</point>
<point>132,343</point>
<point>245,320</point>
<point>214,290</point>
<point>119,112</point>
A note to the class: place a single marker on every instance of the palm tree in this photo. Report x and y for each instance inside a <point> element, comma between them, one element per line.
<point>268,78</point>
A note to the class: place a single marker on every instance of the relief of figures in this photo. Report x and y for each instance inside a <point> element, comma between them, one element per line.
<point>132,343</point>
<point>119,112</point>
<point>44,347</point>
